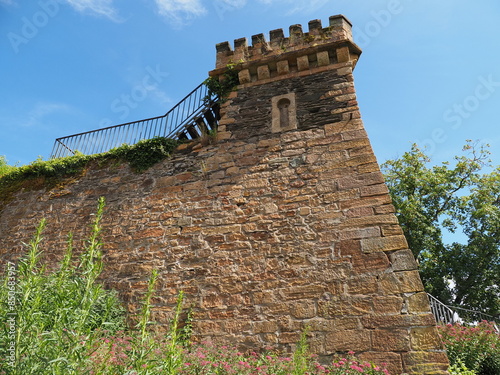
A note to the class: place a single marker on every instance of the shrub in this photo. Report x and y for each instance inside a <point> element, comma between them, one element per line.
<point>4,167</point>
<point>490,364</point>
<point>144,154</point>
<point>471,345</point>
<point>221,87</point>
<point>460,369</point>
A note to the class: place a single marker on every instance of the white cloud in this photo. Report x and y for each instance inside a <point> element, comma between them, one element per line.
<point>304,6</point>
<point>161,97</point>
<point>7,2</point>
<point>236,3</point>
<point>99,7</point>
<point>40,111</point>
<point>179,12</point>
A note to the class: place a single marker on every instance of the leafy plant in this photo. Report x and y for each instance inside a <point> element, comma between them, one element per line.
<point>4,167</point>
<point>51,173</point>
<point>300,355</point>
<point>471,345</point>
<point>144,154</point>
<point>459,368</point>
<point>490,364</point>
<point>220,87</point>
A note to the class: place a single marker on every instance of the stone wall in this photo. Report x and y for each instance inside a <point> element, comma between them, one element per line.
<point>266,231</point>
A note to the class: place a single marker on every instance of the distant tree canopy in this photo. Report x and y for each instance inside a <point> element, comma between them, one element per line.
<point>453,197</point>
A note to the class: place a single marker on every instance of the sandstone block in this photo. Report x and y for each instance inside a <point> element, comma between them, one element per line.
<point>344,341</point>
<point>418,303</point>
<point>150,233</point>
<point>391,229</point>
<point>356,234</point>
<point>302,63</point>
<point>343,55</point>
<point>358,181</point>
<point>391,340</point>
<point>425,339</point>
<point>403,260</point>
<point>346,306</point>
<point>397,321</point>
<point>263,72</point>
<point>401,282</point>
<point>425,363</point>
<point>283,67</point>
<point>244,76</point>
<point>367,191</point>
<point>370,263</point>
<point>370,245</point>
<point>265,327</point>
<point>323,58</point>
<point>372,221</point>
<point>303,292</point>
<point>388,305</point>
<point>303,309</point>
<point>369,168</point>
<point>362,285</point>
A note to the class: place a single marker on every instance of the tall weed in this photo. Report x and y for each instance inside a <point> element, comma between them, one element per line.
<point>55,316</point>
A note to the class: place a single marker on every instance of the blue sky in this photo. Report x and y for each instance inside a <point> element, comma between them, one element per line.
<point>429,72</point>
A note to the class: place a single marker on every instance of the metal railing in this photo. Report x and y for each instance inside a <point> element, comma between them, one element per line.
<point>445,314</point>
<point>193,116</point>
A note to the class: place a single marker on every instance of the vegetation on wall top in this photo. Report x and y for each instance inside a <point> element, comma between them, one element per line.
<point>49,173</point>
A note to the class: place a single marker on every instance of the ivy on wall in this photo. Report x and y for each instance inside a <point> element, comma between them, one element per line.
<point>51,173</point>
<point>221,86</point>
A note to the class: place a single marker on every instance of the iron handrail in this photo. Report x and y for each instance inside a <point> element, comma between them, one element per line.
<point>185,120</point>
<point>445,314</point>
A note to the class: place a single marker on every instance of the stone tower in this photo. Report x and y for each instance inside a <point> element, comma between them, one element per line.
<point>283,222</point>
<point>352,278</point>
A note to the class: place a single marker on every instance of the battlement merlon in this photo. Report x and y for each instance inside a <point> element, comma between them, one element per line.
<point>282,55</point>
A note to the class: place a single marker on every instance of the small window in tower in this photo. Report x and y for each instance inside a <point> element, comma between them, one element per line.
<point>284,115</point>
<point>284,108</point>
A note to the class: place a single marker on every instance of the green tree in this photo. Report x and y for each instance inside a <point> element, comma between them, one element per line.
<point>457,198</point>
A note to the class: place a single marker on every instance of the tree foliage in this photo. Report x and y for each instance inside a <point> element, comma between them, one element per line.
<point>457,198</point>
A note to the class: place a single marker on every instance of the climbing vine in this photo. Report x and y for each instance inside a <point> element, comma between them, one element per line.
<point>221,86</point>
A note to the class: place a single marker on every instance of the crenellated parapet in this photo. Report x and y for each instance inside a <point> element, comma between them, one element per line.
<point>281,56</point>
